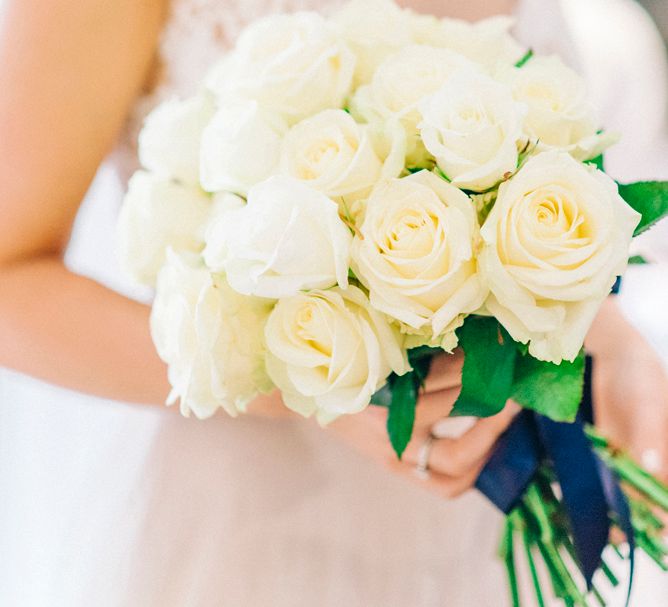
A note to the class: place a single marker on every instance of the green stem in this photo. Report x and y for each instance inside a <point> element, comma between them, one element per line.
<point>532,566</point>
<point>509,555</point>
<point>548,543</point>
<point>612,578</point>
<point>597,595</point>
<point>629,471</point>
<point>618,552</point>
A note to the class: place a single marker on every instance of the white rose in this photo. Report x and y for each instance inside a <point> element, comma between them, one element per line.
<point>487,42</point>
<point>289,237</point>
<point>560,114</point>
<point>169,142</point>
<point>158,213</point>
<point>211,338</point>
<point>328,352</point>
<point>473,126</point>
<point>556,238</point>
<point>294,65</point>
<point>335,155</point>
<point>240,147</point>
<point>416,254</point>
<point>400,83</point>
<point>373,29</point>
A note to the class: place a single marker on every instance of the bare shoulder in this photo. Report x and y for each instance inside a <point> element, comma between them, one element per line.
<point>70,70</point>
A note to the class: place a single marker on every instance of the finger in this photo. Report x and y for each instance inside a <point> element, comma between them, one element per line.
<point>435,405</point>
<point>441,484</point>
<point>452,486</point>
<point>457,457</point>
<point>430,411</point>
<point>470,444</point>
<point>445,372</point>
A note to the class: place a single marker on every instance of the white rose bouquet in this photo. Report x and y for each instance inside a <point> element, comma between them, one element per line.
<point>346,198</point>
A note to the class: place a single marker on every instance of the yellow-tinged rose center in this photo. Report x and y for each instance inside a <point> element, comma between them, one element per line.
<point>323,150</point>
<point>412,232</point>
<point>546,224</point>
<point>544,94</point>
<point>471,114</point>
<point>557,217</point>
<point>312,328</point>
<point>320,152</point>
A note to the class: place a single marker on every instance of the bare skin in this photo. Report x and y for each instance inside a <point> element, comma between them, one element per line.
<point>61,110</point>
<point>630,396</point>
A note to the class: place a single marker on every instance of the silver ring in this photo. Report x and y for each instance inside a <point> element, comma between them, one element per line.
<point>422,464</point>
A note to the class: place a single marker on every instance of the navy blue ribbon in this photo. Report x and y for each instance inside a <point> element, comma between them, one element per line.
<point>591,492</point>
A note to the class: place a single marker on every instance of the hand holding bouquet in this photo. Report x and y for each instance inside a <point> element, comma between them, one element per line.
<point>343,200</point>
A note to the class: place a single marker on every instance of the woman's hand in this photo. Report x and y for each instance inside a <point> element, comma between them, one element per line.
<point>454,461</point>
<point>630,390</point>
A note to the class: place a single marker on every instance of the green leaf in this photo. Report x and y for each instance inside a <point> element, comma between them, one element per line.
<point>551,390</point>
<point>441,174</point>
<point>421,368</point>
<point>637,260</point>
<point>649,198</point>
<point>383,397</point>
<point>420,360</point>
<point>401,415</point>
<point>525,58</point>
<point>400,395</point>
<point>489,362</point>
<point>422,352</point>
<point>597,162</point>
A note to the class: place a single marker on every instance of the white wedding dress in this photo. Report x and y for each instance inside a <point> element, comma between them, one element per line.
<point>107,504</point>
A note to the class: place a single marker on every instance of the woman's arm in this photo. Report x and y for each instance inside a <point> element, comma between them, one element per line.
<point>69,73</point>
<point>630,388</point>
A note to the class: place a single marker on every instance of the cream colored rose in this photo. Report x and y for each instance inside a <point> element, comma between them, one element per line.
<point>169,142</point>
<point>289,237</point>
<point>555,240</point>
<point>295,65</point>
<point>560,114</point>
<point>211,338</point>
<point>158,213</point>
<point>240,147</point>
<point>416,254</point>
<point>373,29</point>
<point>473,127</point>
<point>487,42</point>
<point>335,155</point>
<point>399,85</point>
<point>329,351</point>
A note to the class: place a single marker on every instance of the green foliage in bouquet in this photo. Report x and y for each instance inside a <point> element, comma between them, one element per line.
<point>496,368</point>
<point>400,395</point>
<point>489,361</point>
<point>649,198</point>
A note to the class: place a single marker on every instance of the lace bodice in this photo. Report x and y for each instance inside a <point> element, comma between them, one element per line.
<point>198,32</point>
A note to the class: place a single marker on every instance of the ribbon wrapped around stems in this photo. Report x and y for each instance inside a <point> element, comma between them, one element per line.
<point>591,493</point>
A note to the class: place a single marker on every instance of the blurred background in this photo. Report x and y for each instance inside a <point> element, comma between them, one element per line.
<point>658,9</point>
